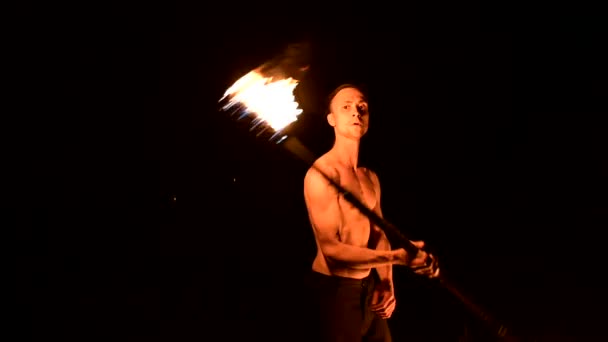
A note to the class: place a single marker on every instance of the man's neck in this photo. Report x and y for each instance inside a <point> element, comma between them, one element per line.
<point>346,151</point>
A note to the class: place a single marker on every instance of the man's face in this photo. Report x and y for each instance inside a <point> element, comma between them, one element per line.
<point>349,113</point>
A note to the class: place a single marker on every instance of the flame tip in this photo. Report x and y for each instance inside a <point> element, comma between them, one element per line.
<point>270,99</point>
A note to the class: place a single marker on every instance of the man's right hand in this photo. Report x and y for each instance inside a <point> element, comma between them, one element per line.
<point>422,263</point>
<point>421,258</point>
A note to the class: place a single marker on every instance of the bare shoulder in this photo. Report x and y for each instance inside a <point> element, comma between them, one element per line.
<point>322,167</point>
<point>371,174</point>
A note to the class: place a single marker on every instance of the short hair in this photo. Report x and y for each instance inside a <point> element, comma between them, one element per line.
<point>334,92</point>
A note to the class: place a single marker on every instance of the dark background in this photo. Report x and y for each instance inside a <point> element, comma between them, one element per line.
<point>145,214</point>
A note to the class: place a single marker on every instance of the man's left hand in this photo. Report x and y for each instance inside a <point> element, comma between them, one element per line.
<point>383,300</point>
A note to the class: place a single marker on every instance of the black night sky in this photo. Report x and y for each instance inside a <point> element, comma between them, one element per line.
<point>148,215</point>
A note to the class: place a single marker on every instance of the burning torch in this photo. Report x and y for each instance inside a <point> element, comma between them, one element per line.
<point>265,98</point>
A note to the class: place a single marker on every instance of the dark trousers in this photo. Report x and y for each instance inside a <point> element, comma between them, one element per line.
<point>340,310</point>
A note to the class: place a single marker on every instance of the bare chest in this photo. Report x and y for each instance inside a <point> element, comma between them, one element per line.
<point>355,228</point>
<point>360,185</point>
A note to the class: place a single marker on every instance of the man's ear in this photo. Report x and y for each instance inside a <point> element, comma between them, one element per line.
<point>331,119</point>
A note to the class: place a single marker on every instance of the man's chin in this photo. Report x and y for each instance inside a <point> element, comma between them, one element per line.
<point>360,130</point>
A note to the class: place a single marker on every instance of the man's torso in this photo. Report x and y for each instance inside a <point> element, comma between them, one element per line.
<point>354,227</point>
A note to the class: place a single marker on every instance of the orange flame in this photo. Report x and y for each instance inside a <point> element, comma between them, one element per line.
<point>270,100</point>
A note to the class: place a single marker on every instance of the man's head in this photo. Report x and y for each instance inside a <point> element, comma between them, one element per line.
<point>348,111</point>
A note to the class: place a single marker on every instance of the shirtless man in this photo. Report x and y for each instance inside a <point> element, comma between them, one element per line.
<point>353,302</point>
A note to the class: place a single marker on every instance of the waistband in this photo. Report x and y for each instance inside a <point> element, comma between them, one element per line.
<point>341,280</point>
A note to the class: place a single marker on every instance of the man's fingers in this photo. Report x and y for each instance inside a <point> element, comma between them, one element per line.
<point>419,244</point>
<point>379,307</point>
<point>431,259</point>
<point>432,270</point>
<point>427,270</point>
<point>422,268</point>
<point>386,312</point>
<point>423,272</point>
<point>386,302</point>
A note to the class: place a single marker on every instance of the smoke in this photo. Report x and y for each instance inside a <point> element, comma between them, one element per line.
<point>293,61</point>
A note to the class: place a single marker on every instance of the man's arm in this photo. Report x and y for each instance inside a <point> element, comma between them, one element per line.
<point>385,272</point>
<point>324,213</point>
